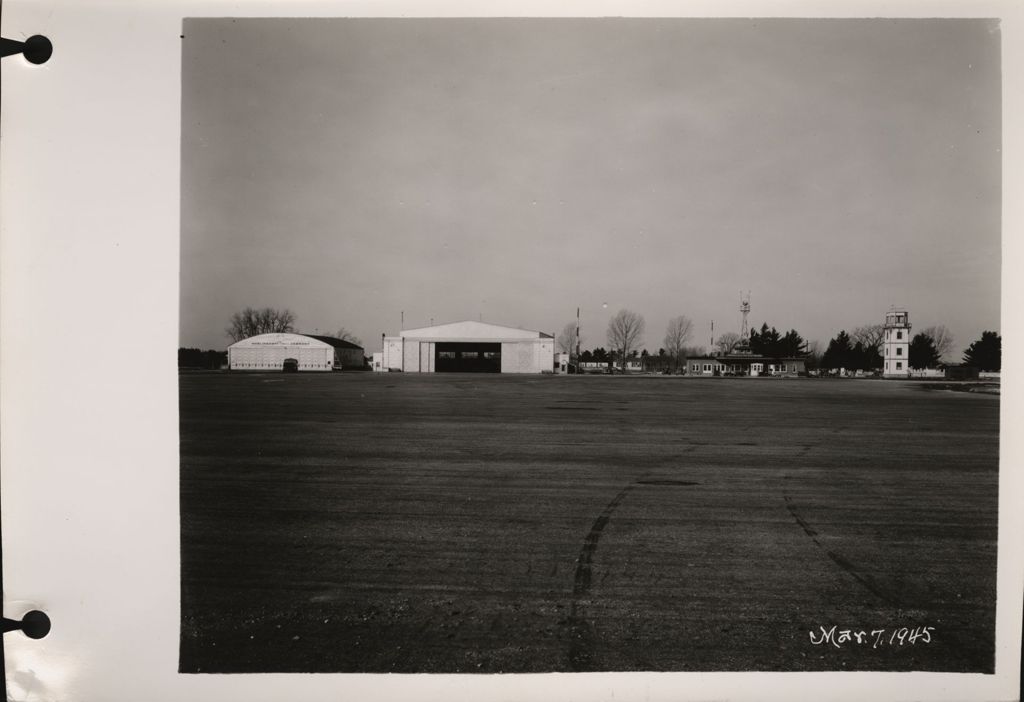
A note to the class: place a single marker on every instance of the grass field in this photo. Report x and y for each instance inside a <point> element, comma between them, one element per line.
<point>455,523</point>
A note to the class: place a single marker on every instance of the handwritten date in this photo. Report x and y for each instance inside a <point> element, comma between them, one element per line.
<point>876,638</point>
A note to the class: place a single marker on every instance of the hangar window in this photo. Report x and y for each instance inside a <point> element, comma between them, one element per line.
<point>446,354</point>
<point>492,354</point>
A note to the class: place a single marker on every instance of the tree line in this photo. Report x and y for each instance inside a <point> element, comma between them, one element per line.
<point>862,350</point>
<point>268,320</point>
<point>625,338</point>
<point>859,350</point>
<point>251,321</point>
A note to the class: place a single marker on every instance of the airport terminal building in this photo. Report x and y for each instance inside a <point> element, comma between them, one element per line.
<point>469,347</point>
<point>745,363</point>
<point>308,352</point>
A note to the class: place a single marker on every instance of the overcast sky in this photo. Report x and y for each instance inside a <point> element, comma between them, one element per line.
<point>516,169</point>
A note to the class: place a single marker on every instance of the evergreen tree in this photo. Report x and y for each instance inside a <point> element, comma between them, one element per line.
<point>857,358</point>
<point>986,353</point>
<point>923,353</point>
<point>839,352</point>
<point>768,342</point>
<point>792,344</point>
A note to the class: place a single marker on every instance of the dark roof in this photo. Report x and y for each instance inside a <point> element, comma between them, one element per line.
<point>735,358</point>
<point>336,343</point>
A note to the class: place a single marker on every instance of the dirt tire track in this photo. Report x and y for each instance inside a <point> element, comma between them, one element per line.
<point>581,634</point>
<point>865,580</point>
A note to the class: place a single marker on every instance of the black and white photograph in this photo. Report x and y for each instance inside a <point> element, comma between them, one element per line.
<point>533,345</point>
<point>451,350</point>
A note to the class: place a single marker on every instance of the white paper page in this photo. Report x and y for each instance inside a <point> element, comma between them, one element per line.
<point>92,256</point>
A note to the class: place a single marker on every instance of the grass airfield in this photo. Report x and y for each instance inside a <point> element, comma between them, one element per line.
<point>448,523</point>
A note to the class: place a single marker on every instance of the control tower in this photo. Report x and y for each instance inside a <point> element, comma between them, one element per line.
<point>896,345</point>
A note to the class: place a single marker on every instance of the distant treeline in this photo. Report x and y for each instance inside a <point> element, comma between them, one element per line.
<point>196,358</point>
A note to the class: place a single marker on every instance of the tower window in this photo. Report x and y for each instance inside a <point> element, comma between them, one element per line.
<point>899,350</point>
<point>899,335</point>
<point>899,365</point>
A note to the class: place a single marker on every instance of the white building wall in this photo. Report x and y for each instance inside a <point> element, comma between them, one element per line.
<point>411,356</point>
<point>545,356</point>
<point>518,355</point>
<point>273,358</point>
<point>426,358</point>
<point>510,359</point>
<point>562,362</point>
<point>392,353</point>
<point>896,346</point>
<point>533,356</point>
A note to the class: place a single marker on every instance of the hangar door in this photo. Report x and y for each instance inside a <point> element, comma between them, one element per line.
<point>456,357</point>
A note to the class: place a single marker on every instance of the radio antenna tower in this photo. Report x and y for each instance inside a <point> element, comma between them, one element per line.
<point>745,310</point>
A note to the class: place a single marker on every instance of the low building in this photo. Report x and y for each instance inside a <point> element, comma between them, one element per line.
<point>563,363</point>
<point>377,362</point>
<point>469,347</point>
<point>306,352</point>
<point>744,364</point>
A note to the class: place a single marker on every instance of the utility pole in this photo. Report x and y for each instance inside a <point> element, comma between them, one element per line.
<point>577,340</point>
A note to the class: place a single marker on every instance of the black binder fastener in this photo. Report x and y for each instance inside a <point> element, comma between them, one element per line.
<point>34,624</point>
<point>37,49</point>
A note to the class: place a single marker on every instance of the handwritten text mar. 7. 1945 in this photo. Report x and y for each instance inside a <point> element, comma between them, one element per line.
<point>876,638</point>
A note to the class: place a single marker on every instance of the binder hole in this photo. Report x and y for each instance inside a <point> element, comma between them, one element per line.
<point>38,49</point>
<point>35,624</point>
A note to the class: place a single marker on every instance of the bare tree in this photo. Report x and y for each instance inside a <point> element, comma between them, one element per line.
<point>250,322</point>
<point>813,357</point>
<point>345,335</point>
<point>676,335</point>
<point>727,342</point>
<point>941,337</point>
<point>567,339</point>
<point>625,332</point>
<point>870,336</point>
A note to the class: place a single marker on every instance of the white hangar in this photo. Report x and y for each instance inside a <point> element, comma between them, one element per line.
<point>308,352</point>
<point>469,347</point>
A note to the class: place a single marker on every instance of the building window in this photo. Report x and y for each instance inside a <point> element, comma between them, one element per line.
<point>899,335</point>
<point>695,368</point>
<point>899,365</point>
<point>899,350</point>
<point>707,367</point>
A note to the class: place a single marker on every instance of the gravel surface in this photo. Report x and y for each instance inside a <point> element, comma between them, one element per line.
<point>469,523</point>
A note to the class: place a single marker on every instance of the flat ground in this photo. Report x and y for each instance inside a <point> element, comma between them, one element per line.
<point>456,523</point>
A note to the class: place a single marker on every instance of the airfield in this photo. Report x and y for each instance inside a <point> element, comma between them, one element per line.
<point>457,523</point>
